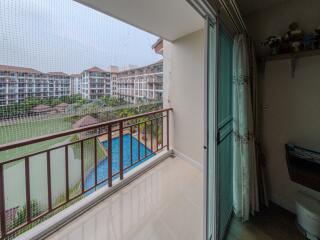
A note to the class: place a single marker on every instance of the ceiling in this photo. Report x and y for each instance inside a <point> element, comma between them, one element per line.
<point>169,19</point>
<point>248,7</point>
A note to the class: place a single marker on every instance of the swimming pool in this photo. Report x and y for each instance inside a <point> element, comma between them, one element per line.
<point>102,170</point>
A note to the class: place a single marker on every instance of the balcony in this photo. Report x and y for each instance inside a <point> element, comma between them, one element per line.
<point>151,207</point>
<point>89,163</point>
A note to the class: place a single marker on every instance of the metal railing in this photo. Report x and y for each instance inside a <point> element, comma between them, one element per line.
<point>149,131</point>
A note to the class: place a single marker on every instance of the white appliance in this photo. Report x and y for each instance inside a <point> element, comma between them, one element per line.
<point>308,213</point>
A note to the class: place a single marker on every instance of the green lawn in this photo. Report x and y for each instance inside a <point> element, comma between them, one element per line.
<point>15,185</point>
<point>32,129</point>
<point>22,131</point>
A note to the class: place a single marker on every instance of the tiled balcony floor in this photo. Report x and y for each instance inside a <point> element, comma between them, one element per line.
<point>163,204</point>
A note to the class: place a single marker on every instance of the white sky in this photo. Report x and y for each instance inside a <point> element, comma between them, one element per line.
<point>63,35</point>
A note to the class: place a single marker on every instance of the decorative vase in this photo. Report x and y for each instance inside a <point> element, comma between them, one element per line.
<point>274,50</point>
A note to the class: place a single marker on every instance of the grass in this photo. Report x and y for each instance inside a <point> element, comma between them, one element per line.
<point>88,150</point>
<point>22,131</point>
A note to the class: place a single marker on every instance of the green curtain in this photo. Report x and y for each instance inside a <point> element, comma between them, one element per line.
<point>245,184</point>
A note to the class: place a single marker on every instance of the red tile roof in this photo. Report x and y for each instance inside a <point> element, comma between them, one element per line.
<point>95,69</point>
<point>75,75</point>
<point>41,108</point>
<point>141,68</point>
<point>158,43</point>
<point>63,105</point>
<point>85,121</point>
<point>18,69</point>
<point>58,74</point>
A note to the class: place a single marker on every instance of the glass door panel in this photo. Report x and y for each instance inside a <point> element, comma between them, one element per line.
<point>211,126</point>
<point>219,200</point>
<point>224,137</point>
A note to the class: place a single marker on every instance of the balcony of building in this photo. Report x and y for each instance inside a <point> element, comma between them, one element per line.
<point>95,169</point>
<point>147,178</point>
<point>151,207</point>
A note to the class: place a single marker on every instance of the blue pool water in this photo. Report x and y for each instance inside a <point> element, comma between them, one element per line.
<point>102,172</point>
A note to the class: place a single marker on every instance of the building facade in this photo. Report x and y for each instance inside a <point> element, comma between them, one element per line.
<point>59,84</point>
<point>144,83</point>
<point>18,83</point>
<point>75,83</point>
<point>114,70</point>
<point>95,83</point>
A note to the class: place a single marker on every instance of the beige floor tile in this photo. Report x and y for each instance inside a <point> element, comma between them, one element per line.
<point>165,203</point>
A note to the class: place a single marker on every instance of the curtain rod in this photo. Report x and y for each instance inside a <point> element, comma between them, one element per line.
<point>233,13</point>
<point>238,13</point>
<point>209,8</point>
<point>202,7</point>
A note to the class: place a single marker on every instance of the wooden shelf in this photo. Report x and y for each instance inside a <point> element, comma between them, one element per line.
<point>307,53</point>
<point>293,57</point>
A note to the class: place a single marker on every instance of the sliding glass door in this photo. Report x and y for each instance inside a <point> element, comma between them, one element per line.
<point>219,200</point>
<point>211,129</point>
<point>224,134</point>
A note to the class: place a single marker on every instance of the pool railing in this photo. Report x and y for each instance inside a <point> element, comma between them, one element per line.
<point>151,127</point>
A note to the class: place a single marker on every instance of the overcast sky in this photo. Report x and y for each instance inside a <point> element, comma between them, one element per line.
<point>63,35</point>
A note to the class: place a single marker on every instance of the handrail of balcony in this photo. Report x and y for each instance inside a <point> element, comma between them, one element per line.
<point>143,127</point>
<point>16,144</point>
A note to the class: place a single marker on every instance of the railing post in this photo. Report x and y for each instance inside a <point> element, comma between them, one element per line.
<point>67,171</point>
<point>145,139</point>
<point>110,155</point>
<point>157,130</point>
<point>95,162</point>
<point>151,136</point>
<point>49,181</point>
<point>162,131</point>
<point>28,201</point>
<point>2,204</point>
<point>168,147</point>
<point>138,141</point>
<point>121,149</point>
<point>131,145</point>
<point>82,166</point>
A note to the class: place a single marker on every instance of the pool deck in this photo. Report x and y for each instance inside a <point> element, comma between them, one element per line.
<point>104,138</point>
<point>164,203</point>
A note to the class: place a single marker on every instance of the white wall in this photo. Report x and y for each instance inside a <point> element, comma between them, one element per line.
<point>291,105</point>
<point>184,82</point>
<point>291,114</point>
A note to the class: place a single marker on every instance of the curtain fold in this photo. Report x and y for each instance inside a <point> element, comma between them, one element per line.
<point>246,166</point>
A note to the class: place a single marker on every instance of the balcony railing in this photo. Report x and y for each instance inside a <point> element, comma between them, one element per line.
<point>124,143</point>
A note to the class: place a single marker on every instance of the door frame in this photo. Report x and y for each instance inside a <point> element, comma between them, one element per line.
<point>215,20</point>
<point>211,21</point>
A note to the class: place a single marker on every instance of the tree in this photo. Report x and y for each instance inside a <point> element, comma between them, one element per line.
<point>22,213</point>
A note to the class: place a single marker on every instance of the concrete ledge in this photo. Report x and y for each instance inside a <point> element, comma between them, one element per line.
<point>64,217</point>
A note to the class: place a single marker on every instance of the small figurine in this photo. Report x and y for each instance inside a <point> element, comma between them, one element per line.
<point>317,38</point>
<point>294,33</point>
<point>274,43</point>
<point>307,42</point>
<point>285,46</point>
<point>296,46</point>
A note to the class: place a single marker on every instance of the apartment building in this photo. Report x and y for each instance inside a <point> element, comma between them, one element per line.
<point>144,83</point>
<point>95,83</point>
<point>114,70</point>
<point>19,83</point>
<point>59,84</point>
<point>75,83</point>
